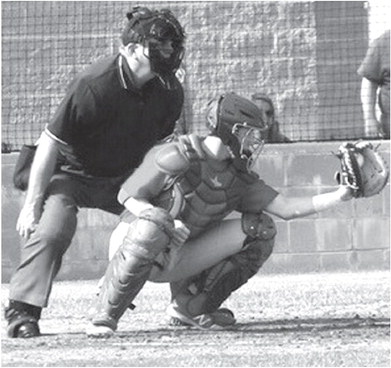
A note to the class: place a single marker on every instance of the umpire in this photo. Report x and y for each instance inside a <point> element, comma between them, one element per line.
<point>112,114</point>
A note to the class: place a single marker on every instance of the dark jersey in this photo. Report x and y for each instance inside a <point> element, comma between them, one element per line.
<point>106,125</point>
<point>376,68</point>
<point>195,187</point>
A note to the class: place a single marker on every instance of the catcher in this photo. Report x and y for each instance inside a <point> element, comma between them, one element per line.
<point>179,196</point>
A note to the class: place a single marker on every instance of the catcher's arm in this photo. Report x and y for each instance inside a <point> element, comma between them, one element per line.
<point>137,206</point>
<point>363,174</point>
<point>289,208</point>
<point>150,179</point>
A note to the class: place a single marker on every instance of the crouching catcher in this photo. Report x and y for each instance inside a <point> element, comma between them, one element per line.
<point>179,196</point>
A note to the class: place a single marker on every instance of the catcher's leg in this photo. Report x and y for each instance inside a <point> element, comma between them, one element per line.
<point>130,267</point>
<point>196,300</point>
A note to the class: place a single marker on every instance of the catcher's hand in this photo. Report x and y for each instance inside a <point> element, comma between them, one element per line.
<point>180,234</point>
<point>363,170</point>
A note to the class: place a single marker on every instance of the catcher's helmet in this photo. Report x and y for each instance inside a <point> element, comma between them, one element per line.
<point>238,123</point>
<point>152,28</point>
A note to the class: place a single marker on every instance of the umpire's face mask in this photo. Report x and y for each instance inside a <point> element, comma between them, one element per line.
<point>166,50</point>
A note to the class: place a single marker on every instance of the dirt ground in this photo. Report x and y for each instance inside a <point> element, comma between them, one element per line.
<point>313,320</point>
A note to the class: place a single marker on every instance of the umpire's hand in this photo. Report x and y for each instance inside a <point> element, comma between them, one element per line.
<point>28,219</point>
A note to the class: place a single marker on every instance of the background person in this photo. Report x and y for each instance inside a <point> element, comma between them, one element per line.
<point>375,87</point>
<point>266,106</point>
<point>112,114</point>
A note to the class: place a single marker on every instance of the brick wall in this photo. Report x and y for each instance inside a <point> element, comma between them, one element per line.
<point>352,237</point>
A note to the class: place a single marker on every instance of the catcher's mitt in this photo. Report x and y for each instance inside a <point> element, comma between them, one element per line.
<point>362,169</point>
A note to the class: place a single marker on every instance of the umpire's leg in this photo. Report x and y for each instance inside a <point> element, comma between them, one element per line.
<point>41,255</point>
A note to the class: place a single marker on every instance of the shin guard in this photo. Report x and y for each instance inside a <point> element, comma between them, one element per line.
<point>131,265</point>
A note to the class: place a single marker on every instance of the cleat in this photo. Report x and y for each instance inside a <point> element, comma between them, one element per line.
<point>28,329</point>
<point>21,324</point>
<point>99,331</point>
<point>202,321</point>
<point>176,322</point>
<point>221,318</point>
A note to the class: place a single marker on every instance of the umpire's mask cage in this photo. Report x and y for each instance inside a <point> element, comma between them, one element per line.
<point>153,28</point>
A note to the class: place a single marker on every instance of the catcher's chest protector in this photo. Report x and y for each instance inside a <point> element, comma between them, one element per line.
<point>207,192</point>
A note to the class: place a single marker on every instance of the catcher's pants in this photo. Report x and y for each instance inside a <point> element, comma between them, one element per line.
<point>195,255</point>
<point>200,253</point>
<point>42,254</point>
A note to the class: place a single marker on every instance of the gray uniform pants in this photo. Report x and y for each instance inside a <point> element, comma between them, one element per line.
<point>42,253</point>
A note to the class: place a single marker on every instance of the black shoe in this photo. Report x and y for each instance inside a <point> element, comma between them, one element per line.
<point>21,322</point>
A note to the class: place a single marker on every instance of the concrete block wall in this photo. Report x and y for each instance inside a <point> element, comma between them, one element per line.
<point>304,54</point>
<point>354,236</point>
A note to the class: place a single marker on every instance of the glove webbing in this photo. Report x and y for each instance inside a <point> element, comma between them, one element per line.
<point>350,169</point>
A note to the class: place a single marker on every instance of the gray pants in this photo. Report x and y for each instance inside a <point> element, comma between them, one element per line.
<point>41,255</point>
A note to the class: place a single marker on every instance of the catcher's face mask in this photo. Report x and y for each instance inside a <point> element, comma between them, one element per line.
<point>237,121</point>
<point>163,36</point>
<point>250,140</point>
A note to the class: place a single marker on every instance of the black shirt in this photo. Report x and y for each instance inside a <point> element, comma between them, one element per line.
<point>106,125</point>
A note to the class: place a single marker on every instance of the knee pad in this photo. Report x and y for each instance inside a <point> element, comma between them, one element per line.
<point>258,226</point>
<point>258,245</point>
<point>150,233</point>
